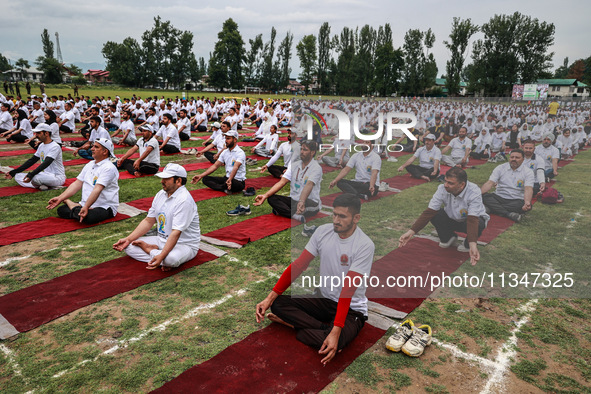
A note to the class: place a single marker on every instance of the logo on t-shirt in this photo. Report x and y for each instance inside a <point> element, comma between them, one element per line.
<point>161,223</point>
<point>344,260</point>
<point>463,213</point>
<point>532,165</point>
<point>94,180</point>
<point>42,157</point>
<point>520,183</point>
<point>368,168</point>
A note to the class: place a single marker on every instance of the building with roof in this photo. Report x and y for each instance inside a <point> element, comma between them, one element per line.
<point>97,77</point>
<point>565,87</point>
<point>31,74</point>
<point>440,83</point>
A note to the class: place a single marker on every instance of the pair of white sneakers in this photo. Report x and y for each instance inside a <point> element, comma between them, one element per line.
<point>409,338</point>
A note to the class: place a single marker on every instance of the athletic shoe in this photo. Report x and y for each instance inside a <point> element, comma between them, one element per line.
<point>449,243</point>
<point>239,210</point>
<point>299,218</point>
<point>462,248</point>
<point>421,338</point>
<point>43,187</point>
<point>515,217</point>
<point>309,230</point>
<point>249,192</point>
<point>383,187</point>
<point>441,178</point>
<point>400,336</point>
<point>501,157</point>
<point>392,159</point>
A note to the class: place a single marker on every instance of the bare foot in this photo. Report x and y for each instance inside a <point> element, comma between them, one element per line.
<point>165,269</point>
<point>275,319</point>
<point>71,204</point>
<point>144,246</point>
<point>426,178</point>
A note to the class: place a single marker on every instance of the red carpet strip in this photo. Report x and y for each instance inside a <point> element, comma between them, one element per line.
<point>270,360</point>
<point>33,306</point>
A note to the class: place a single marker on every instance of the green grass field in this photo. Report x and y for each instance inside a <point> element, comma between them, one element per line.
<point>74,353</point>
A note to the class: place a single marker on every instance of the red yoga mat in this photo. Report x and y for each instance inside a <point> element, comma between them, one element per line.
<point>16,190</point>
<point>36,305</point>
<point>17,152</point>
<point>270,360</point>
<point>44,228</point>
<point>419,257</point>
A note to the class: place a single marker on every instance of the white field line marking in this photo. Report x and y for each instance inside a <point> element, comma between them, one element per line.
<point>11,259</point>
<point>122,344</point>
<point>499,366</point>
<point>508,352</point>
<point>10,356</point>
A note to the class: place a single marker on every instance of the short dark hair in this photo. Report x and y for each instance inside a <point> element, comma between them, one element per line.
<point>96,119</point>
<point>528,141</point>
<point>458,173</point>
<point>183,180</point>
<point>312,145</point>
<point>183,110</point>
<point>227,124</point>
<point>349,201</point>
<point>167,115</point>
<point>520,151</point>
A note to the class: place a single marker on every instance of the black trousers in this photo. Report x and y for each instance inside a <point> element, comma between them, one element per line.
<point>219,183</point>
<point>276,171</point>
<point>418,171</point>
<point>313,319</point>
<point>446,227</point>
<point>199,129</point>
<point>145,167</point>
<point>360,189</point>
<point>209,156</point>
<point>285,206</point>
<point>479,156</point>
<point>184,137</point>
<point>502,206</point>
<point>17,138</point>
<point>65,129</point>
<point>170,149</point>
<point>95,215</point>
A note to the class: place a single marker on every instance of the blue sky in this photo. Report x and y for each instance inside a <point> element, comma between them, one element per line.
<point>85,26</point>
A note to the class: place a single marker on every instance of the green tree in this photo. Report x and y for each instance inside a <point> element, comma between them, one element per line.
<point>514,47</point>
<point>22,64</point>
<point>388,63</point>
<point>420,68</point>
<point>182,59</point>
<point>306,50</point>
<point>225,64</point>
<point>4,64</point>
<point>284,54</point>
<point>50,66</point>
<point>324,47</point>
<point>561,71</point>
<point>124,62</point>
<point>47,44</point>
<point>267,76</point>
<point>363,66</point>
<point>461,31</point>
<point>344,73</point>
<point>251,61</point>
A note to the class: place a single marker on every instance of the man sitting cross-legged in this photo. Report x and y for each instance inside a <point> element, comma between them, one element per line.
<point>429,157</point>
<point>455,206</point>
<point>331,319</point>
<point>175,213</point>
<point>367,166</point>
<point>149,160</point>
<point>100,188</point>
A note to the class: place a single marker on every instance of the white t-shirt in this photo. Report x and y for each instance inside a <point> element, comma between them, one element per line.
<point>154,121</point>
<point>55,133</point>
<point>288,151</point>
<point>427,157</point>
<point>38,116</point>
<point>103,173</point>
<point>128,125</point>
<point>339,256</point>
<point>511,183</point>
<point>300,175</point>
<point>364,165</point>
<point>177,212</point>
<point>184,122</point>
<point>201,117</point>
<point>458,208</point>
<point>497,140</point>
<point>6,122</point>
<point>270,142</point>
<point>536,163</point>
<point>547,154</point>
<point>100,132</point>
<point>230,157</point>
<point>116,118</point>
<point>26,128</point>
<point>54,151</point>
<point>70,120</point>
<point>172,132</point>
<point>154,156</point>
<point>459,147</point>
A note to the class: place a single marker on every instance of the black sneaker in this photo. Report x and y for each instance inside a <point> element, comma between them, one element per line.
<point>249,192</point>
<point>308,230</point>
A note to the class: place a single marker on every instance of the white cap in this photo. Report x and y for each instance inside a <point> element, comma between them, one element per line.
<point>42,127</point>
<point>107,144</point>
<point>216,125</point>
<point>172,169</point>
<point>146,127</point>
<point>231,133</point>
<point>430,137</point>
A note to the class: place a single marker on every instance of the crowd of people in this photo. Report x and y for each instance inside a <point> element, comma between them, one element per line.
<point>531,138</point>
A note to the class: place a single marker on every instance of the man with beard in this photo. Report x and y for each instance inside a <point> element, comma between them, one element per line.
<point>127,128</point>
<point>331,319</point>
<point>550,154</point>
<point>429,157</point>
<point>536,164</point>
<point>290,151</point>
<point>460,150</point>
<point>175,212</point>
<point>514,188</point>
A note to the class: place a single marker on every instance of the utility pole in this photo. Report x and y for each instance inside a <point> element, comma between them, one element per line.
<point>58,49</point>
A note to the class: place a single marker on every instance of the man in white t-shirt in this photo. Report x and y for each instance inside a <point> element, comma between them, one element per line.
<point>331,319</point>
<point>67,121</point>
<point>536,164</point>
<point>514,188</point>
<point>234,161</point>
<point>199,120</point>
<point>429,157</point>
<point>127,129</point>
<point>455,206</point>
<point>305,177</point>
<point>171,142</point>
<point>149,160</point>
<point>6,121</point>
<point>96,132</point>
<point>290,150</point>
<point>460,150</point>
<point>550,154</point>
<point>367,165</point>
<point>341,153</point>
<point>50,173</point>
<point>268,145</point>
<point>183,125</point>
<point>175,213</point>
<point>100,189</point>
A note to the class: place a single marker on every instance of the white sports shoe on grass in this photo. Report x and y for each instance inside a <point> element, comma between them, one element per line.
<point>399,338</point>
<point>421,338</point>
